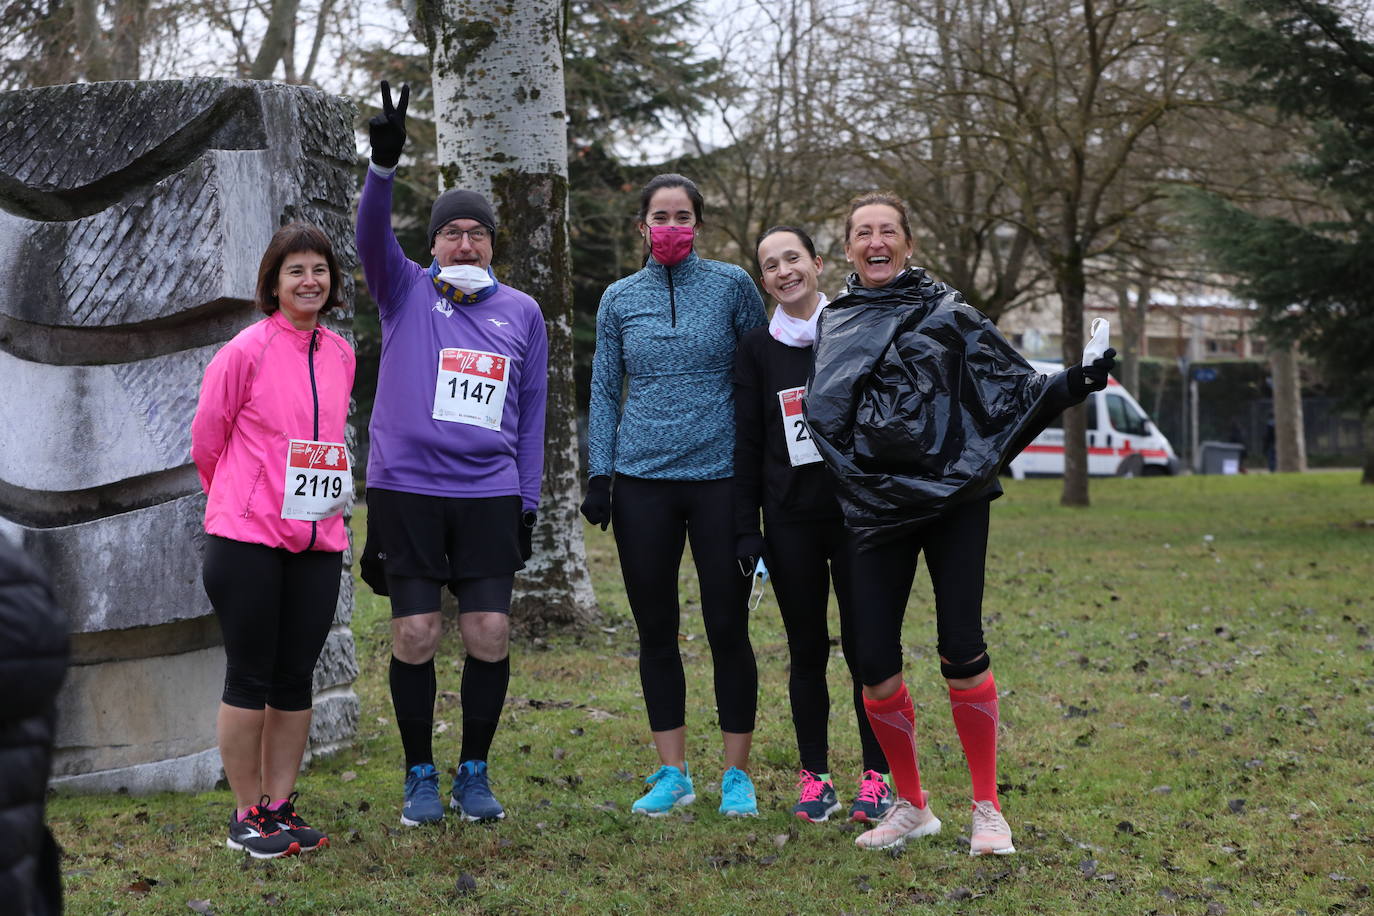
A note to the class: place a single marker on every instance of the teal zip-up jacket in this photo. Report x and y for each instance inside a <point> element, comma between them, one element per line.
<point>670,333</point>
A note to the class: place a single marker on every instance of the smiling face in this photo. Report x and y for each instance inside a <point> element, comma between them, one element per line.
<point>668,207</point>
<point>454,244</point>
<point>789,273</point>
<point>877,245</point>
<point>303,288</point>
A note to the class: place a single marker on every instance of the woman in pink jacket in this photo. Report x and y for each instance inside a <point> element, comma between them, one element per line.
<point>268,440</point>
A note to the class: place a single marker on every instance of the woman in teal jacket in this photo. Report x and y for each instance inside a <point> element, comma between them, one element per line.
<point>669,331</point>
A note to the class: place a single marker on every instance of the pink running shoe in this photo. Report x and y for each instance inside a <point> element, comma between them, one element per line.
<point>990,831</point>
<point>901,822</point>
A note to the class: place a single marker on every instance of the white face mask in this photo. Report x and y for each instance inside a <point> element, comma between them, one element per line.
<point>466,277</point>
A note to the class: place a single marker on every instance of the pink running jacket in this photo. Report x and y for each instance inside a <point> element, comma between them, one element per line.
<point>264,388</point>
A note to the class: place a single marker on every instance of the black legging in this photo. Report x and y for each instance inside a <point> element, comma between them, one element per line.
<point>652,521</point>
<point>275,608</point>
<point>956,547</point>
<point>803,557</point>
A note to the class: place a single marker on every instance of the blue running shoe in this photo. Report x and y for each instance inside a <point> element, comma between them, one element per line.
<point>873,800</point>
<point>671,788</point>
<point>422,796</point>
<point>472,796</point>
<point>737,794</point>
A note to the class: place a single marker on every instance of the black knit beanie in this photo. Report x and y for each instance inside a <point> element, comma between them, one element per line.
<point>459,204</point>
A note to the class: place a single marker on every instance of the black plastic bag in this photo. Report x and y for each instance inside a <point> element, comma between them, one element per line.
<point>916,402</point>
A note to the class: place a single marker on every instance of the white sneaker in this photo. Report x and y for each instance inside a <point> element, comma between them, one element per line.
<point>990,831</point>
<point>900,822</point>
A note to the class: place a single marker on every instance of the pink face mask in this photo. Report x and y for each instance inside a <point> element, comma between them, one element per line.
<point>671,244</point>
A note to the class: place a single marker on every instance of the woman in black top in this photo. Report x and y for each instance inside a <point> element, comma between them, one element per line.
<point>778,470</point>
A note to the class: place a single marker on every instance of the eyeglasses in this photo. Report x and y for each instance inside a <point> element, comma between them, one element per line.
<point>453,233</point>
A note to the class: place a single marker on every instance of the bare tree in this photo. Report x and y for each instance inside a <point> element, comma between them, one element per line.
<point>1077,100</point>
<point>766,148</point>
<point>499,116</point>
<point>44,42</point>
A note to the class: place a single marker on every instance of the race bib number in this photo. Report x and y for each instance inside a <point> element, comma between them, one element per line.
<point>318,481</point>
<point>800,448</point>
<point>471,387</point>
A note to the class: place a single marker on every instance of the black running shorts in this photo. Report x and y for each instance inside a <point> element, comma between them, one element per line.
<point>441,538</point>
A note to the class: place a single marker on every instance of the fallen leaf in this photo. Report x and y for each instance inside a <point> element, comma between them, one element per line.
<point>780,840</point>
<point>140,886</point>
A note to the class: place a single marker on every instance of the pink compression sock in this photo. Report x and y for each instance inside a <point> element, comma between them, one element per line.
<point>894,725</point>
<point>975,718</point>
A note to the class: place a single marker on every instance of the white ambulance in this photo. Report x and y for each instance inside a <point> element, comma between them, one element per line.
<point>1122,440</point>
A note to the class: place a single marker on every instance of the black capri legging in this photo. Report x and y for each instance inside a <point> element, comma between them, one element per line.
<point>275,608</point>
<point>653,519</point>
<point>803,557</point>
<point>956,547</point>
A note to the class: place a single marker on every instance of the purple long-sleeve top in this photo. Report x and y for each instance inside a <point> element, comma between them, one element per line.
<point>411,450</point>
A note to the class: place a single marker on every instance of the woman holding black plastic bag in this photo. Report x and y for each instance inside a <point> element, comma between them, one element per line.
<point>915,402</point>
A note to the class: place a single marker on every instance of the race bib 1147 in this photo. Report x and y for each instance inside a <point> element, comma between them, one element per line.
<point>471,387</point>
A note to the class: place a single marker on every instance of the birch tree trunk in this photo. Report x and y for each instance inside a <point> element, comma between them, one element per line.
<point>497,70</point>
<point>1289,442</point>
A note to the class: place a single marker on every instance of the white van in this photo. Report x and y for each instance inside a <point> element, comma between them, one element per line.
<point>1122,440</point>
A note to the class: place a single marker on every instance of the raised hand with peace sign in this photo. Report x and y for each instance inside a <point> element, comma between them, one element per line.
<point>387,131</point>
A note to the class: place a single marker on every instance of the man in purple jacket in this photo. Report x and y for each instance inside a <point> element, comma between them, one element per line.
<point>453,475</point>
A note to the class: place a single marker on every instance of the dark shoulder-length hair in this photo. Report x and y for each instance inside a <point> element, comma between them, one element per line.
<point>887,199</point>
<point>288,240</point>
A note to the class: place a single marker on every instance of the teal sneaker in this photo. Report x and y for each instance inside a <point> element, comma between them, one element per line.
<point>422,805</point>
<point>671,788</point>
<point>737,794</point>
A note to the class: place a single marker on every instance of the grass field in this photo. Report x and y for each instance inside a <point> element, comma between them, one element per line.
<point>1187,680</point>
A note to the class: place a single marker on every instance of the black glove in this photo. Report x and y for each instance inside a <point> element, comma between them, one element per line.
<point>748,549</point>
<point>1083,380</point>
<point>387,131</point>
<point>596,508</point>
<point>525,533</point>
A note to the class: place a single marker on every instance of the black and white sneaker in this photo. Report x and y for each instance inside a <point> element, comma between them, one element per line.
<point>290,819</point>
<point>259,835</point>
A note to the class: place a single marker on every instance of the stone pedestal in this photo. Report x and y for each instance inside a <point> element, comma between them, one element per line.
<point>133,216</point>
